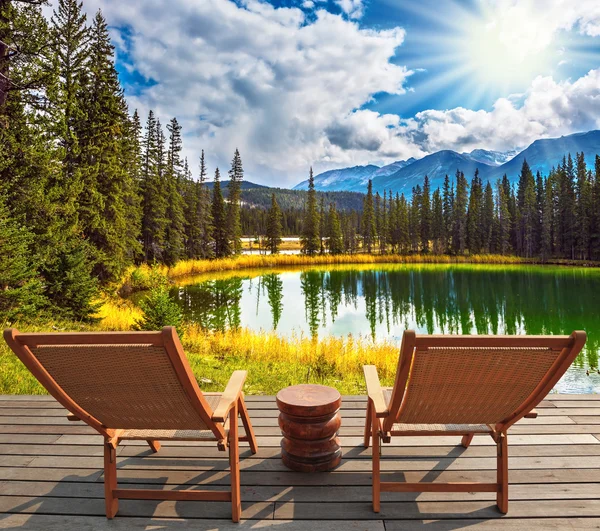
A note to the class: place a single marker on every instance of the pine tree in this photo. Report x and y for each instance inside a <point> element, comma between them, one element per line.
<point>437,223</point>
<point>220,228</point>
<point>425,216</point>
<point>28,152</point>
<point>546,238</point>
<point>583,209</point>
<point>310,230</point>
<point>70,284</point>
<point>488,221</point>
<point>378,209</point>
<point>527,213</point>
<point>131,160</point>
<point>474,214</point>
<point>404,238</point>
<point>369,230</point>
<point>595,219</point>
<point>236,175</point>
<point>448,204</point>
<point>107,186</point>
<point>199,219</point>
<point>71,42</point>
<point>459,238</point>
<point>334,232</point>
<point>21,289</point>
<point>175,229</point>
<point>504,219</point>
<point>392,223</point>
<point>322,225</point>
<point>414,219</point>
<point>154,193</point>
<point>274,228</point>
<point>566,208</point>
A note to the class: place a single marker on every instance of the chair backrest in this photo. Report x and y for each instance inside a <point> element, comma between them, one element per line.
<point>118,380</point>
<point>493,380</point>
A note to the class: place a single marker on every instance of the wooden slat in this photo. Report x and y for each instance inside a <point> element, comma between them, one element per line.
<point>199,452</point>
<point>354,442</point>
<point>583,419</point>
<point>259,465</point>
<point>575,398</point>
<point>304,494</point>
<point>99,523</point>
<point>436,510</point>
<point>505,524</point>
<point>147,508</point>
<point>576,404</point>
<point>175,495</point>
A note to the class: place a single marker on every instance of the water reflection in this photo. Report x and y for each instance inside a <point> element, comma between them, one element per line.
<point>382,303</point>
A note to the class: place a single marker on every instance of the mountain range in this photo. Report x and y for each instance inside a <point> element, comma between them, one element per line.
<point>402,176</point>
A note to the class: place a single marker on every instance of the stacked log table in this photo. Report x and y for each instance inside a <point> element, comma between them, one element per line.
<point>309,420</point>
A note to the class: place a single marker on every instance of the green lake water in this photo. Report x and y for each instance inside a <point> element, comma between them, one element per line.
<point>382,301</point>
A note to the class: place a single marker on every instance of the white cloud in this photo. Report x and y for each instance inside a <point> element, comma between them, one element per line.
<point>353,8</point>
<point>263,79</point>
<point>549,109</point>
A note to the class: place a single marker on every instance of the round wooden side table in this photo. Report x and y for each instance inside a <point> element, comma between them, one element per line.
<point>309,419</point>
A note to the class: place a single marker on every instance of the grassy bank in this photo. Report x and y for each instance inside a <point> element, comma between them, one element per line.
<point>142,277</point>
<point>272,362</point>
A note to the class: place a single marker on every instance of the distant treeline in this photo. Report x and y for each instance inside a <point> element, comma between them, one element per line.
<point>554,216</point>
<point>256,202</point>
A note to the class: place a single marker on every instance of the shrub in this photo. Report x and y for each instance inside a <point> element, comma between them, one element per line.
<point>159,310</point>
<point>70,285</point>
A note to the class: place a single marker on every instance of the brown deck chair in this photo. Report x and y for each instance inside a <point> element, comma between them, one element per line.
<point>463,385</point>
<point>138,385</point>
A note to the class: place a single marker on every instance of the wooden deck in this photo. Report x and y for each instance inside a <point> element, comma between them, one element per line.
<point>51,476</point>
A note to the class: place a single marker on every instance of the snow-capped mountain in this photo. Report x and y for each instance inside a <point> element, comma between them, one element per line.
<point>402,176</point>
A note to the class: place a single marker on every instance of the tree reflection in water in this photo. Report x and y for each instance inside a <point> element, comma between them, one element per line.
<point>384,301</point>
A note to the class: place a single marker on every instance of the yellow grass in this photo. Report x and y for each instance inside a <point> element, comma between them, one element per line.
<point>118,314</point>
<point>140,277</point>
<point>274,362</point>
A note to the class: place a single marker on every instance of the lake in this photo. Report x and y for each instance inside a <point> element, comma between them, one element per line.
<point>380,302</point>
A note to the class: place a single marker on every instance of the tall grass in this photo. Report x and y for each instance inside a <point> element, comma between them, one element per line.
<point>145,277</point>
<point>275,362</point>
<point>272,362</point>
<point>118,314</point>
<point>196,267</point>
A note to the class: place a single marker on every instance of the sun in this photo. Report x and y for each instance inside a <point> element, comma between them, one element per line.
<point>506,45</point>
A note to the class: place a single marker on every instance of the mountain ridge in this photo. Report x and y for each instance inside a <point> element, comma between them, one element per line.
<point>542,155</point>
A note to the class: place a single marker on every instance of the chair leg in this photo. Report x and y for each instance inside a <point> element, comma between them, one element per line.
<point>110,480</point>
<point>502,464</point>
<point>154,445</point>
<point>234,464</point>
<point>368,426</point>
<point>466,440</point>
<point>247,425</point>
<point>376,466</point>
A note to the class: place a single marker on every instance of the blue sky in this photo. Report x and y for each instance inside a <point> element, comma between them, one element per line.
<point>334,83</point>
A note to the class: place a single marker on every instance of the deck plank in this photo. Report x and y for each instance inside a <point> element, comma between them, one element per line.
<point>51,475</point>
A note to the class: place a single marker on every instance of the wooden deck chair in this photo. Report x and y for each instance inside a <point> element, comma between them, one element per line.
<point>138,385</point>
<point>463,385</point>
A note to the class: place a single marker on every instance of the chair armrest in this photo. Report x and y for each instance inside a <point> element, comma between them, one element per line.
<point>374,390</point>
<point>532,414</point>
<point>230,396</point>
